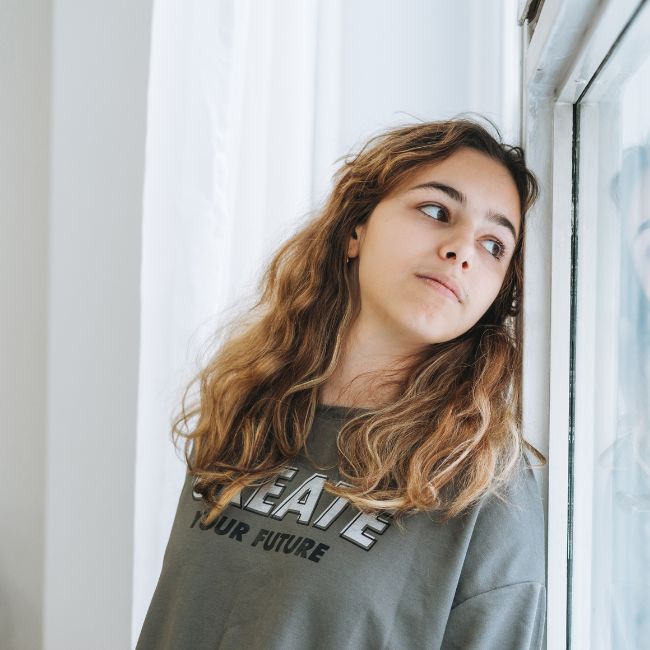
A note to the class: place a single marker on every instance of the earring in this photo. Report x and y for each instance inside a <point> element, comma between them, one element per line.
<point>348,260</point>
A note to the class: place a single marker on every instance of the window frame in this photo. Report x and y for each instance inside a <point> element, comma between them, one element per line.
<point>556,68</point>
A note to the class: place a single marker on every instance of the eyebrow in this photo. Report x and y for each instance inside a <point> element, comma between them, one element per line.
<point>459,197</point>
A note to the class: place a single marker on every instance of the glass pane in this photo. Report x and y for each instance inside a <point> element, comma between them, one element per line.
<point>611,466</point>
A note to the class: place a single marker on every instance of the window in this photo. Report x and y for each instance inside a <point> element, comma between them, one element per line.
<point>611,455</point>
<point>586,130</point>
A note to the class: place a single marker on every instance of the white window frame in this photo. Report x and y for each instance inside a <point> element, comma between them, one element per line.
<point>569,40</point>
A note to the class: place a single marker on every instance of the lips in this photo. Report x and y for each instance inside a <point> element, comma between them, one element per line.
<point>445,281</point>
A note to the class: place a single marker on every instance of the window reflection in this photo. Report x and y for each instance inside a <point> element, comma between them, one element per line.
<point>610,465</point>
<point>626,462</point>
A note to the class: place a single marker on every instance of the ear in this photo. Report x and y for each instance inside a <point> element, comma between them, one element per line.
<point>355,240</point>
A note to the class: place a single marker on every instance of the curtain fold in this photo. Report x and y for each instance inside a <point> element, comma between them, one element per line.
<point>234,91</point>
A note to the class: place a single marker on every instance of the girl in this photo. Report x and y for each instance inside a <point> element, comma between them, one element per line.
<point>356,468</point>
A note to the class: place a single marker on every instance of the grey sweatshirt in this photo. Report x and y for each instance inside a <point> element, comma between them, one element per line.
<point>288,566</point>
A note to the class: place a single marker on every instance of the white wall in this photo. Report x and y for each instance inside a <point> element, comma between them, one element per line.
<point>72,120</point>
<point>24,173</point>
<point>99,67</point>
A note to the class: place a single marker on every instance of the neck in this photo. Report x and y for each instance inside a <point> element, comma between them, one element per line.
<point>361,377</point>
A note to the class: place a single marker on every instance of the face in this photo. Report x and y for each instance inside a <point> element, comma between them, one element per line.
<point>424,231</point>
<point>638,231</point>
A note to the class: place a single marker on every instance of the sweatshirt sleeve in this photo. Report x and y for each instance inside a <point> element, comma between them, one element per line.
<point>511,617</point>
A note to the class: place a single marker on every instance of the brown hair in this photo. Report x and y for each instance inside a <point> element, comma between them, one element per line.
<point>456,423</point>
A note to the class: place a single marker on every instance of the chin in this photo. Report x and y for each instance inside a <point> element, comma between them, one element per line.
<point>433,338</point>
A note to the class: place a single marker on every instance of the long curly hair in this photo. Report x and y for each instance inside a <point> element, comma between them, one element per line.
<point>454,431</point>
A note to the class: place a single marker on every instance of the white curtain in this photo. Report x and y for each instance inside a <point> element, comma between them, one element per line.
<point>232,160</point>
<point>250,103</point>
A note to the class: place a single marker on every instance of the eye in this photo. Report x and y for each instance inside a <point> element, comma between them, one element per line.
<point>435,207</point>
<point>498,252</point>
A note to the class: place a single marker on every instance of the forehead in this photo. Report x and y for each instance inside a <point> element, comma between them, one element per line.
<point>467,166</point>
<point>476,180</point>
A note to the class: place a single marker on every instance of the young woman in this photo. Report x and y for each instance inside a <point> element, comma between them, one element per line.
<point>356,468</point>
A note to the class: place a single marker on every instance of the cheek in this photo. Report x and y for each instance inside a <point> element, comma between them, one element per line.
<point>389,255</point>
<point>483,294</point>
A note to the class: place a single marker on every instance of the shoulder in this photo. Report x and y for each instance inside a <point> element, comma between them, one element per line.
<point>507,544</point>
<point>519,500</point>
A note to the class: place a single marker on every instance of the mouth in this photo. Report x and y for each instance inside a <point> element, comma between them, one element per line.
<point>439,287</point>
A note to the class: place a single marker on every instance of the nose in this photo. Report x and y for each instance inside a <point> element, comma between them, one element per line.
<point>459,245</point>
